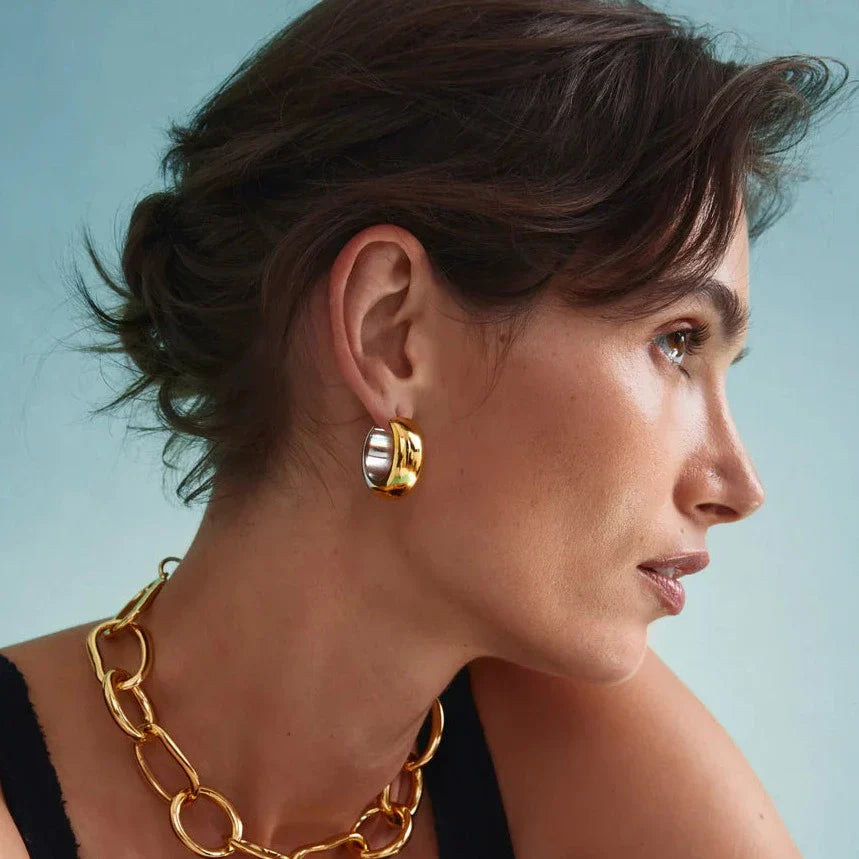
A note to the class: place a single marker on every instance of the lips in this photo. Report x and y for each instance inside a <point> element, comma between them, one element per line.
<point>678,565</point>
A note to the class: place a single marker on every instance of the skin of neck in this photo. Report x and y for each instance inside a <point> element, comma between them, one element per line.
<point>284,619</point>
<point>302,640</point>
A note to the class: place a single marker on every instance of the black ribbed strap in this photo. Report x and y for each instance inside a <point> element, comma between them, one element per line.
<point>469,813</point>
<point>27,777</point>
<point>461,780</point>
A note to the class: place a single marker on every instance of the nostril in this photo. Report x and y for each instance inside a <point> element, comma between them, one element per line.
<point>721,512</point>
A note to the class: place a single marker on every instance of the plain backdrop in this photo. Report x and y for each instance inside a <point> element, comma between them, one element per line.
<point>768,637</point>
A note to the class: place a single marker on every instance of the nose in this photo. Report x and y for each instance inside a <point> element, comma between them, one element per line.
<point>723,484</point>
<point>737,501</point>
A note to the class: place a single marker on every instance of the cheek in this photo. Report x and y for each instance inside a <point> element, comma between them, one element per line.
<point>549,478</point>
<point>603,450</point>
<point>539,500</point>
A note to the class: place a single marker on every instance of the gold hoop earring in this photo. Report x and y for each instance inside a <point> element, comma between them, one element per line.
<point>391,459</point>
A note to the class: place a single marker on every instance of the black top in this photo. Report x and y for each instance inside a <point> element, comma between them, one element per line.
<point>460,778</point>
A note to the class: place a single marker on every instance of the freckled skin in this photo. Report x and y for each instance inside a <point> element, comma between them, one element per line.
<point>310,624</point>
<point>591,455</point>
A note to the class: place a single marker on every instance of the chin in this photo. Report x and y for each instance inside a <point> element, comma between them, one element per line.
<point>626,664</point>
<point>604,660</point>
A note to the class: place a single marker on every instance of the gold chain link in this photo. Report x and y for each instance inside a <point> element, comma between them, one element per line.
<point>115,680</point>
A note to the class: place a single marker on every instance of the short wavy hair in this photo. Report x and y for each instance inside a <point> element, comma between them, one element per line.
<point>514,138</point>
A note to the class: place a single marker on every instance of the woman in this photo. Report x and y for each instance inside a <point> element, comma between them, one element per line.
<point>447,293</point>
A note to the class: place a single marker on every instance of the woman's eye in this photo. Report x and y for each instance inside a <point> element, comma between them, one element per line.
<point>682,342</point>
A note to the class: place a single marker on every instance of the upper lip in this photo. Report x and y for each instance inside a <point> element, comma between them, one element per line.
<point>678,565</point>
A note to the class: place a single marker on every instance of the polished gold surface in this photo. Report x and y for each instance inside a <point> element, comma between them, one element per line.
<point>392,459</point>
<point>114,680</point>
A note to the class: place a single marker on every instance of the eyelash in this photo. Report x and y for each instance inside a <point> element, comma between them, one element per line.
<point>693,343</point>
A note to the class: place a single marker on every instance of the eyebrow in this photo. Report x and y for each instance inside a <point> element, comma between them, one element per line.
<point>734,315</point>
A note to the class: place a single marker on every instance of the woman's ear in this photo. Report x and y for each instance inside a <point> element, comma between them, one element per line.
<point>380,309</point>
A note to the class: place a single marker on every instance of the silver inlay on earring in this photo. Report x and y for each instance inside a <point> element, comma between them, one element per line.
<point>378,455</point>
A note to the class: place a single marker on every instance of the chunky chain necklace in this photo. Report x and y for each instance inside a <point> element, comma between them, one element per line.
<point>114,680</point>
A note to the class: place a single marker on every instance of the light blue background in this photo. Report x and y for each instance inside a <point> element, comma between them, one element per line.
<point>768,637</point>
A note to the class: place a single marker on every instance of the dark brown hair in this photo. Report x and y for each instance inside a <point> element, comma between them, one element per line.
<point>514,139</point>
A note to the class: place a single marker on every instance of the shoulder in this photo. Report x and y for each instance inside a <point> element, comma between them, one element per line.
<point>23,656</point>
<point>639,769</point>
<point>55,669</point>
<point>33,651</point>
<point>33,657</point>
<point>89,756</point>
<point>11,844</point>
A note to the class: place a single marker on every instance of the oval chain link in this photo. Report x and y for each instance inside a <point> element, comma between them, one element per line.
<point>114,680</point>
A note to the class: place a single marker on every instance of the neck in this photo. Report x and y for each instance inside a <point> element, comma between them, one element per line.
<point>295,661</point>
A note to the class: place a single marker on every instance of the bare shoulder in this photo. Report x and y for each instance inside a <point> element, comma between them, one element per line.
<point>11,844</point>
<point>640,769</point>
<point>35,653</point>
<point>54,667</point>
<point>27,657</point>
<point>36,658</point>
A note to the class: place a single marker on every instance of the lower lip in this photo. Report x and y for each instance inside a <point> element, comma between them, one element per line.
<point>670,590</point>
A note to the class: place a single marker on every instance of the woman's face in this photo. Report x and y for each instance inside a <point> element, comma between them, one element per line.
<point>593,453</point>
